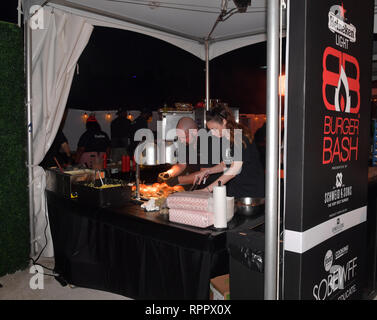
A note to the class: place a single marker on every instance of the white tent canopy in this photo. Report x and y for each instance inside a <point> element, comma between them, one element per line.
<point>183,23</point>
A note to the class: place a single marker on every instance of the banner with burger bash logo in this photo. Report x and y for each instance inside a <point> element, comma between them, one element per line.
<point>329,85</point>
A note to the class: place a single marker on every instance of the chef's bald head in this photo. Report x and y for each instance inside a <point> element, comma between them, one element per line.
<point>187,130</point>
<point>186,123</point>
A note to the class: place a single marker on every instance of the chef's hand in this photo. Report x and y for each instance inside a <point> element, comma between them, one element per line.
<point>205,190</point>
<point>163,177</point>
<point>172,181</point>
<point>201,176</point>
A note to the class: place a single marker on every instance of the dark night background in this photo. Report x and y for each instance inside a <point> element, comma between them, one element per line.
<point>122,68</point>
<point>125,69</point>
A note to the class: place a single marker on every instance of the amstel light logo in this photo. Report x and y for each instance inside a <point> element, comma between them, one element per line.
<point>338,24</point>
<point>340,89</point>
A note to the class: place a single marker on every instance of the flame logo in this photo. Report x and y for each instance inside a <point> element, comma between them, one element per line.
<point>342,93</point>
<point>340,82</point>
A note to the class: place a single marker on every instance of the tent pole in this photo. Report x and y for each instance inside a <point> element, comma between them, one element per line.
<point>19,13</point>
<point>272,156</point>
<point>27,32</point>
<point>207,73</point>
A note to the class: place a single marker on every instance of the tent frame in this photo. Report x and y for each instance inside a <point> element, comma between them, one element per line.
<point>28,64</point>
<point>272,114</point>
<point>272,152</point>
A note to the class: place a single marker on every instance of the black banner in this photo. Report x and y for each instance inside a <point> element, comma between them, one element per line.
<point>329,87</point>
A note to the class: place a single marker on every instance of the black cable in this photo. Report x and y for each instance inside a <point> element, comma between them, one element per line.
<point>40,253</point>
<point>38,264</point>
<point>228,14</point>
<point>48,274</point>
<point>35,262</point>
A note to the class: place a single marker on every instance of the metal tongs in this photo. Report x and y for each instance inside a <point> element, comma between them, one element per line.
<point>195,185</point>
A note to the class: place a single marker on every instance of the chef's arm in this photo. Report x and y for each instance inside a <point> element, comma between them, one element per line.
<point>199,176</point>
<point>177,169</point>
<point>186,179</point>
<point>171,176</point>
<point>79,152</point>
<point>65,148</point>
<point>217,168</point>
<point>228,175</point>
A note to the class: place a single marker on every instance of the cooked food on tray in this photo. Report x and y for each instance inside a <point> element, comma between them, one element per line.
<point>157,190</point>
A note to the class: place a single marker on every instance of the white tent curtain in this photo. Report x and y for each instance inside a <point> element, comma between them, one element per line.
<point>56,49</point>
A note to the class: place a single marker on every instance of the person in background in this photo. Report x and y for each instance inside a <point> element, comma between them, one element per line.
<point>243,177</point>
<point>184,173</point>
<point>141,122</point>
<point>93,144</point>
<point>59,150</point>
<point>120,133</point>
<point>260,141</point>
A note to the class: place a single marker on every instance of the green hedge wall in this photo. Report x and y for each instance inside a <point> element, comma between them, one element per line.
<point>14,212</point>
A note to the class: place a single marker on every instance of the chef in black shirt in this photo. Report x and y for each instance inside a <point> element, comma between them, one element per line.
<point>120,130</point>
<point>63,158</point>
<point>141,122</point>
<point>93,144</point>
<point>120,133</point>
<point>243,176</point>
<point>184,172</point>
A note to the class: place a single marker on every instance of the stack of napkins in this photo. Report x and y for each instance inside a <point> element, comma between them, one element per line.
<point>195,208</point>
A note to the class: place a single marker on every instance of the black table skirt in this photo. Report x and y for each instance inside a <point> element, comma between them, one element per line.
<point>129,252</point>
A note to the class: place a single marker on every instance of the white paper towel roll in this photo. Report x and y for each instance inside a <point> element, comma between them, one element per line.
<point>219,207</point>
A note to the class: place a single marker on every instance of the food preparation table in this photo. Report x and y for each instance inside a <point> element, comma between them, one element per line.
<point>137,254</point>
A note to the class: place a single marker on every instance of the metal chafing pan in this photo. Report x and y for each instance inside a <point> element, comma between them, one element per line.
<point>62,183</point>
<point>249,206</point>
<point>117,192</point>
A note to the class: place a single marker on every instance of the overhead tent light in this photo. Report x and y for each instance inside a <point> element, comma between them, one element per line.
<point>242,5</point>
<point>225,14</point>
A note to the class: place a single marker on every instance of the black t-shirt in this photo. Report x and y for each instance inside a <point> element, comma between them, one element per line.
<point>94,141</point>
<point>120,130</point>
<point>139,123</point>
<point>48,160</point>
<point>203,156</point>
<point>197,156</point>
<point>250,182</point>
